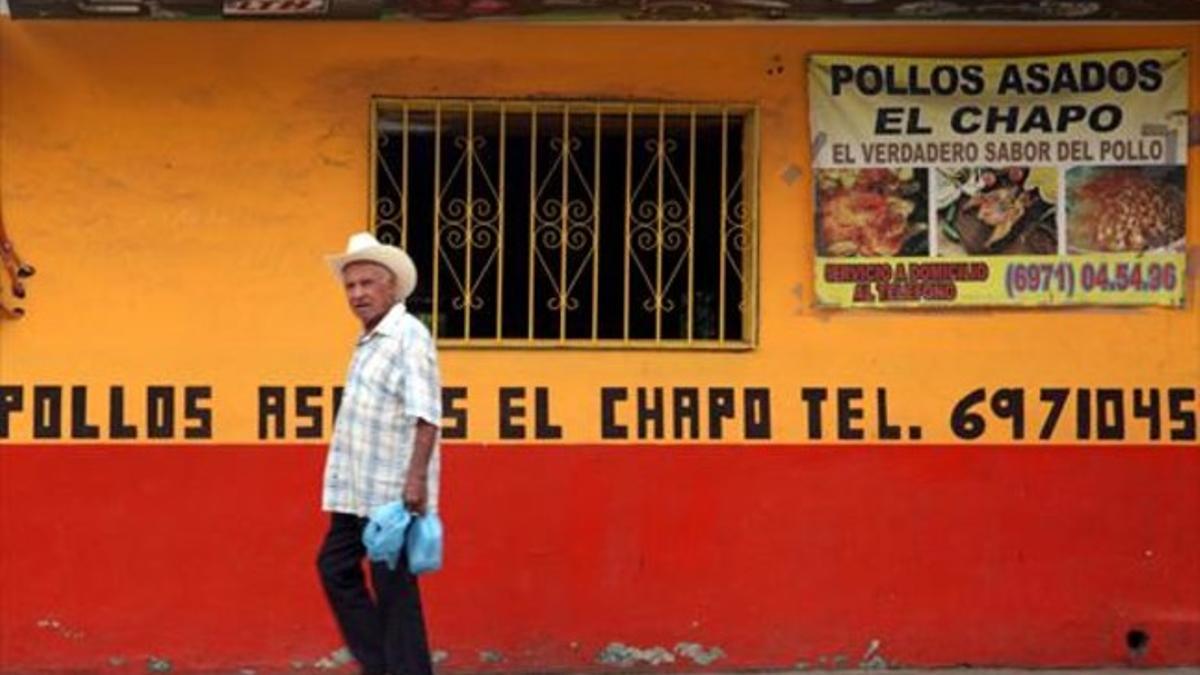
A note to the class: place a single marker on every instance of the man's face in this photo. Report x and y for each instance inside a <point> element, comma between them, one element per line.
<point>370,290</point>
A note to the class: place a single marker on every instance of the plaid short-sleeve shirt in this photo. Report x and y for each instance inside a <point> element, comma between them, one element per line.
<point>393,381</point>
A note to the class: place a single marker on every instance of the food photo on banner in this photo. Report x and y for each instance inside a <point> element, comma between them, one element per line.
<point>1038,180</point>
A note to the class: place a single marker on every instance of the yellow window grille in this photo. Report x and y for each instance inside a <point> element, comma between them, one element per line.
<point>538,223</point>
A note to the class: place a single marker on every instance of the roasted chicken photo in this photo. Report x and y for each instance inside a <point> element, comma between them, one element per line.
<point>997,211</point>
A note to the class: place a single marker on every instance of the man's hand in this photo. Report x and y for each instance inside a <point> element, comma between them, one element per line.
<point>416,492</point>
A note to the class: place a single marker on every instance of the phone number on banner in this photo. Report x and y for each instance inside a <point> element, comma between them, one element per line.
<point>1100,279</point>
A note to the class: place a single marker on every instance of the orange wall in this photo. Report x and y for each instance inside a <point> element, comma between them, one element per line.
<point>194,175</point>
<point>176,184</point>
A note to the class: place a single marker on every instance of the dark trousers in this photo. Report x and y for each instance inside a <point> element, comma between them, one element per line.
<point>385,633</point>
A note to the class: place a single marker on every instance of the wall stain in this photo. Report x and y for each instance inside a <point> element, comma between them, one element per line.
<point>623,655</point>
<point>55,626</point>
<point>698,654</point>
<point>336,659</point>
<point>790,174</point>
<point>873,659</point>
<point>333,161</point>
<point>620,654</point>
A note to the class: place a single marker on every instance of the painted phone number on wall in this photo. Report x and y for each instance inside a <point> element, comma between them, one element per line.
<point>1104,414</point>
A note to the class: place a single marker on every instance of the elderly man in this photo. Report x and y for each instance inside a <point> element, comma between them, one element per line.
<point>384,449</point>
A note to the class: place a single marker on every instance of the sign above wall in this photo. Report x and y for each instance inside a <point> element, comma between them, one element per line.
<point>619,10</point>
<point>1051,180</point>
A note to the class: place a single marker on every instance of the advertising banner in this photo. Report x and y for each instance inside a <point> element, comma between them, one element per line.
<point>1046,180</point>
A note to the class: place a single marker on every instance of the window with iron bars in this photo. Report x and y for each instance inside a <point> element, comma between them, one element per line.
<point>577,224</point>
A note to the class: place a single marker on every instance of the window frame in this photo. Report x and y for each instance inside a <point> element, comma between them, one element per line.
<point>750,116</point>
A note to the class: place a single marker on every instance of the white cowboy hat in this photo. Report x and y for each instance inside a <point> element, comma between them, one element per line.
<point>364,247</point>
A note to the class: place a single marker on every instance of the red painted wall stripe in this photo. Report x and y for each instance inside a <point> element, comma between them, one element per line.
<point>1020,555</point>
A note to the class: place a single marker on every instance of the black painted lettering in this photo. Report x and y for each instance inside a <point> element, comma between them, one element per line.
<point>964,421</point>
<point>887,432</point>
<point>686,409</point>
<point>511,413</point>
<point>160,412</point>
<point>720,408</point>
<point>306,409</point>
<point>1057,398</point>
<point>650,413</point>
<point>543,427</point>
<point>814,399</point>
<point>609,396</point>
<point>195,411</point>
<point>758,413</point>
<point>80,427</point>
<point>12,399</point>
<point>1009,404</point>
<point>272,412</point>
<point>1182,414</point>
<point>1083,414</point>
<point>1110,414</point>
<point>1147,406</point>
<point>848,412</point>
<point>47,411</point>
<point>118,428</point>
<point>457,415</point>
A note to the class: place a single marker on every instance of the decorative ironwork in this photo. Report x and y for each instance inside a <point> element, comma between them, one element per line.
<point>660,226</point>
<point>737,235</point>
<point>515,214</point>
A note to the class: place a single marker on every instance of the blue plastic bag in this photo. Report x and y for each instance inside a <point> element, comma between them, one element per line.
<point>425,544</point>
<point>384,534</point>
